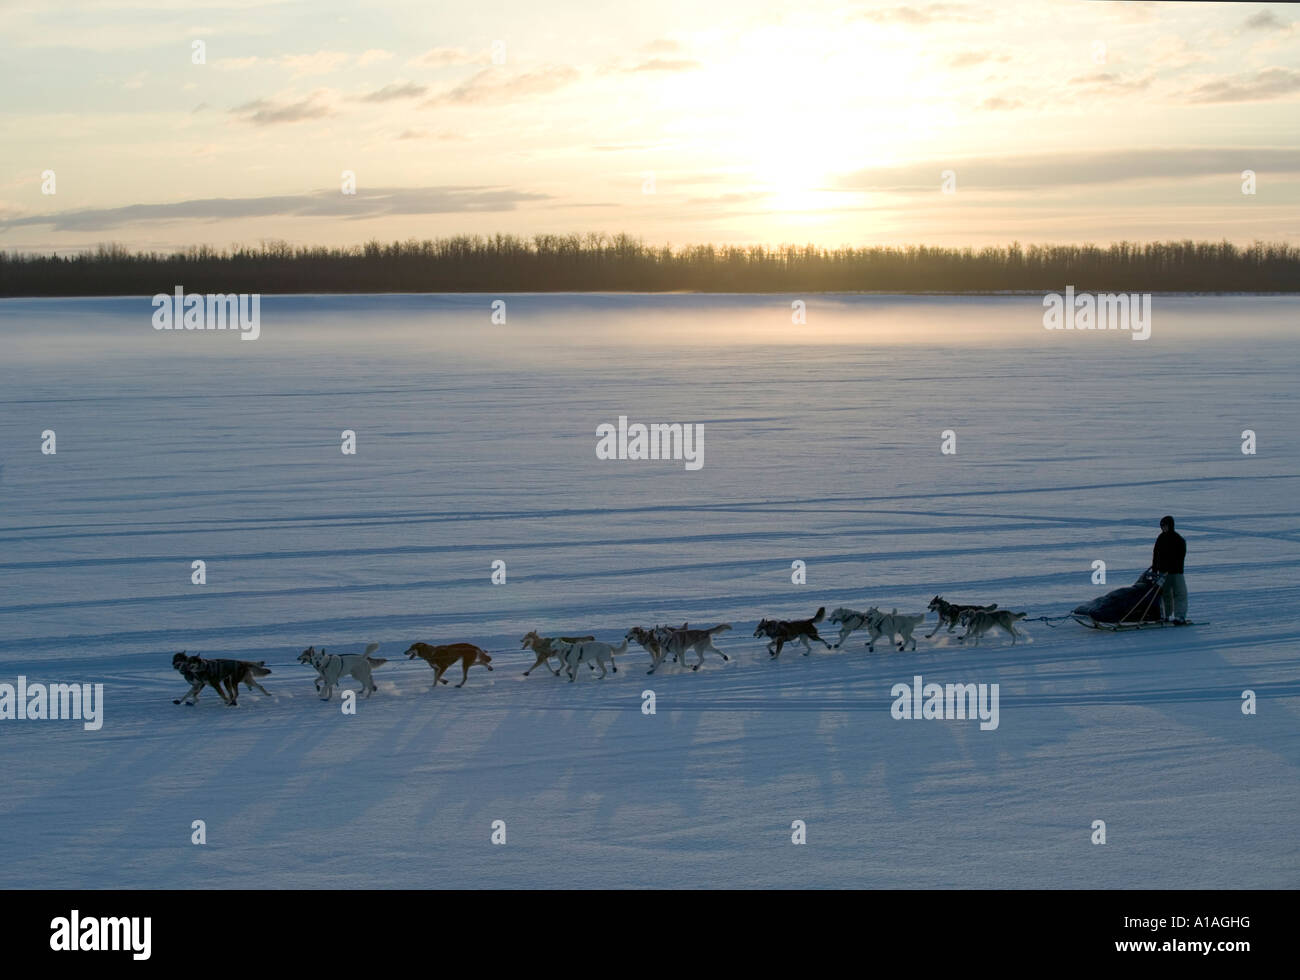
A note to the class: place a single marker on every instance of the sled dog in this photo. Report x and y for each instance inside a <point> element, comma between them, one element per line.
<point>951,612</point>
<point>849,621</point>
<point>541,645</point>
<point>330,667</point>
<point>782,631</point>
<point>442,657</point>
<point>979,622</point>
<point>593,652</point>
<point>678,641</point>
<point>888,624</point>
<point>218,674</point>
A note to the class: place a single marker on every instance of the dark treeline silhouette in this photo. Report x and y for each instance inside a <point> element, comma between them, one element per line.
<point>577,263</point>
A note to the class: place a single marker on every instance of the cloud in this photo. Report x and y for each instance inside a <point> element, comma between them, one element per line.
<point>388,93</point>
<point>1108,83</point>
<point>491,85</point>
<point>1263,86</point>
<point>372,55</point>
<point>425,134</point>
<point>442,57</point>
<point>1073,169</point>
<point>316,63</point>
<point>966,59</point>
<point>623,147</point>
<point>662,45</point>
<point>366,203</point>
<point>1173,52</point>
<point>262,112</point>
<point>238,64</point>
<point>666,64</point>
<point>919,16</point>
<point>1265,20</point>
<point>997,103</point>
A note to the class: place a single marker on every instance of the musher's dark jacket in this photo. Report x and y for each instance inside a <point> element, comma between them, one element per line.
<point>1169,552</point>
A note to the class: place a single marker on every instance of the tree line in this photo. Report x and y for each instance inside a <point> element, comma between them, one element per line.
<point>596,263</point>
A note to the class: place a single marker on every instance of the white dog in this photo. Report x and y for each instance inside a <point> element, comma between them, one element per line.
<point>592,651</point>
<point>330,667</point>
<point>849,621</point>
<point>887,624</point>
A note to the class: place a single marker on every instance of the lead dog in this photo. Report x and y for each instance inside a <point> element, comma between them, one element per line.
<point>887,624</point>
<point>678,641</point>
<point>542,646</point>
<point>979,622</point>
<point>218,674</point>
<point>593,652</point>
<point>442,657</point>
<point>330,667</point>
<point>951,613</point>
<point>784,631</point>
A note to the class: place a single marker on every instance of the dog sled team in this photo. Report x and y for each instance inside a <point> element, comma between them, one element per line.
<point>571,652</point>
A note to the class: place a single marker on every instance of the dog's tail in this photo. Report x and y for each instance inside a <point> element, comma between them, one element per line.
<point>821,614</point>
<point>376,661</point>
<point>1020,615</point>
<point>259,669</point>
<point>720,628</point>
<point>371,648</point>
<point>619,649</point>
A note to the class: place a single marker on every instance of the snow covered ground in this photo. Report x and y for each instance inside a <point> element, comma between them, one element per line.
<point>476,443</point>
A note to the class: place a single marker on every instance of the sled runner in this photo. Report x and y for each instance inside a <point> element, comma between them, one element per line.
<point>1155,624</point>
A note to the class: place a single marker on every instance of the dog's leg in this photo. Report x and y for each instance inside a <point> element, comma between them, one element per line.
<point>253,684</point>
<point>718,652</point>
<point>936,628</point>
<point>193,692</point>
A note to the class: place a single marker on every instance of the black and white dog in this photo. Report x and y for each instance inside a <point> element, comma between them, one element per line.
<point>223,676</point>
<point>783,631</point>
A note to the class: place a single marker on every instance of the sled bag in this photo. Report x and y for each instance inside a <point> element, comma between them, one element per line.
<point>1138,603</point>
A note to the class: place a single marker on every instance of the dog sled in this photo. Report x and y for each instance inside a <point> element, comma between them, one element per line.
<point>1134,607</point>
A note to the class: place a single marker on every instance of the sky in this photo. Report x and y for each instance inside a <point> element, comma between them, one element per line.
<point>160,124</point>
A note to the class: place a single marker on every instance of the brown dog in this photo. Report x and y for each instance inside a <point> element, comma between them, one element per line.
<point>541,645</point>
<point>442,657</point>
